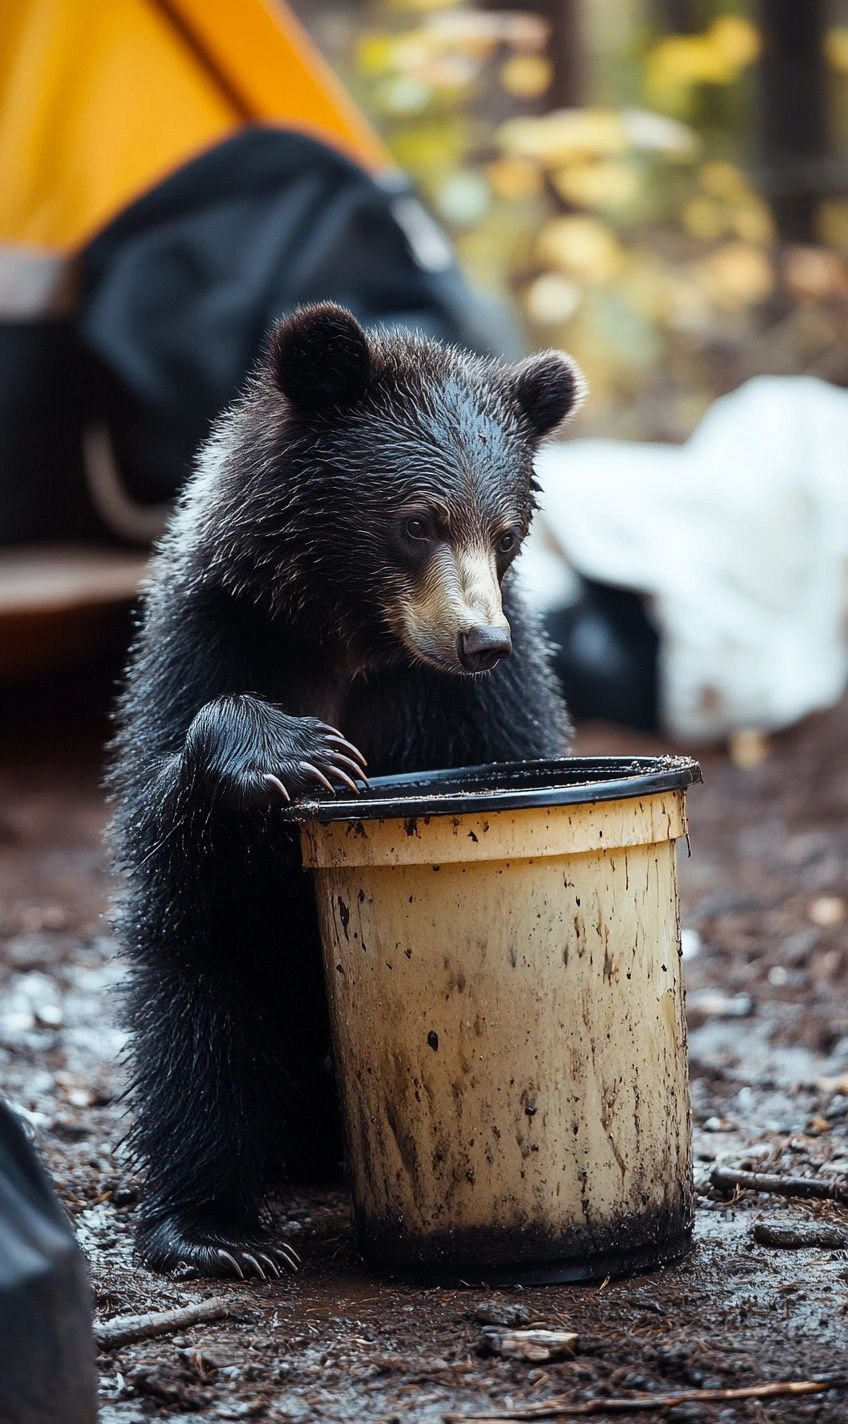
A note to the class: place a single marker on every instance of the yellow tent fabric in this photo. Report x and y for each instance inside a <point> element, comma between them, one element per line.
<point>99,99</point>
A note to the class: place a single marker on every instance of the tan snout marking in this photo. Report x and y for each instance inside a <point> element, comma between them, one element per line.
<point>459,591</point>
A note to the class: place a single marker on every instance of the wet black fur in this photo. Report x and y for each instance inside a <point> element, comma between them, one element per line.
<point>265,606</point>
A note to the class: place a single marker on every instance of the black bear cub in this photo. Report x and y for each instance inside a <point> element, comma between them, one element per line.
<point>334,586</point>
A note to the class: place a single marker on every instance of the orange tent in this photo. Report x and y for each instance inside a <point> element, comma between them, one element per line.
<point>100,99</point>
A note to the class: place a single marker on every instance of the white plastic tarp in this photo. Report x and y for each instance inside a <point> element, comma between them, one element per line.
<point>739,540</point>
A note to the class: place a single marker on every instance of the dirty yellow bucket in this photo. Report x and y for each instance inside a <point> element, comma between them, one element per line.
<point>502,955</point>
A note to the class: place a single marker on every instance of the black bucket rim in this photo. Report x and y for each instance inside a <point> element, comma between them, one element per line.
<point>509,786</point>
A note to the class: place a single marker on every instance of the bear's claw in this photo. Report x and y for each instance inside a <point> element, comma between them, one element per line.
<point>178,1246</point>
<point>334,770</point>
<point>226,1256</point>
<point>354,766</point>
<point>275,781</point>
<point>316,775</point>
<point>343,742</point>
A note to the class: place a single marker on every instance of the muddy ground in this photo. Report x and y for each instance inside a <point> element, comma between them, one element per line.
<point>764,905</point>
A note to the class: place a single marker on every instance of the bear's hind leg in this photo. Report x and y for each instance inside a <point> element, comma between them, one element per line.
<point>207,1091</point>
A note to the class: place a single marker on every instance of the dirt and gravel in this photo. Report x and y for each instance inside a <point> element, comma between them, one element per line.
<point>765,914</point>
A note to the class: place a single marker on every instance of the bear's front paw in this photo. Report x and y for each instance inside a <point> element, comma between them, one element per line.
<point>240,750</point>
<point>192,1246</point>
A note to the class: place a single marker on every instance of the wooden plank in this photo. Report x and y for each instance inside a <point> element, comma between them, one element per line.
<point>60,603</point>
<point>44,578</point>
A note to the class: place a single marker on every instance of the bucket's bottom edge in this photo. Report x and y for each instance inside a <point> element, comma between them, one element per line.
<point>611,1264</point>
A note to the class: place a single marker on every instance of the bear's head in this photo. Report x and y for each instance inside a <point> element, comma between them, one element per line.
<point>394,485</point>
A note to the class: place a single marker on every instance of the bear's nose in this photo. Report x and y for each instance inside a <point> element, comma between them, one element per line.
<point>480,648</point>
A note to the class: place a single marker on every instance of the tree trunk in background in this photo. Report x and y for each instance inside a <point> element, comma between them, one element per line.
<point>564,48</point>
<point>793,125</point>
<point>566,52</point>
<point>681,17</point>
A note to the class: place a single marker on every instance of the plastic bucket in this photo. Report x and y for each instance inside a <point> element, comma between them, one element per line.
<point>502,955</point>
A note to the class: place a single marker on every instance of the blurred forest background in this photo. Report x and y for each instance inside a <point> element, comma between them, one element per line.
<point>661,186</point>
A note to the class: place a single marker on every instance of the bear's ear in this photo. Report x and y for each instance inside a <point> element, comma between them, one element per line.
<point>548,389</point>
<point>321,357</point>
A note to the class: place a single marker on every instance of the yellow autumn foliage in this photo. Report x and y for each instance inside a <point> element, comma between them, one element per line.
<point>836,49</point>
<point>526,76</point>
<point>715,56</point>
<point>833,223</point>
<point>704,218</point>
<point>581,247</point>
<point>564,135</point>
<point>515,179</point>
<point>737,39</point>
<point>751,220</point>
<point>551,298</point>
<point>631,235</point>
<point>722,179</point>
<point>607,184</point>
<point>735,276</point>
<point>679,61</point>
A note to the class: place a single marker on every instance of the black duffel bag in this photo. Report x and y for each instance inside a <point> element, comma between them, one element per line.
<point>180,290</point>
<point>47,1373</point>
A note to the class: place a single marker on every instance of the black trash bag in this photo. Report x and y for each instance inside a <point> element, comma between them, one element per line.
<point>605,654</point>
<point>47,1373</point>
<point>180,290</point>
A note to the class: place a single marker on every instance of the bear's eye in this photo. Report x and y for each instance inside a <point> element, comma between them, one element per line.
<point>417,527</point>
<point>507,542</point>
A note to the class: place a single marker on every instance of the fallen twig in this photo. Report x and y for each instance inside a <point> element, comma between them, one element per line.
<point>126,1329</point>
<point>778,1184</point>
<point>564,1408</point>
